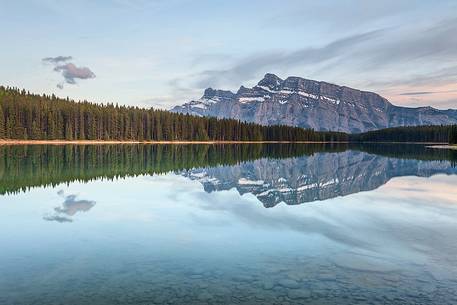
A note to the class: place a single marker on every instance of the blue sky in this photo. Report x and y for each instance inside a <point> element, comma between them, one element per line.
<point>163,53</point>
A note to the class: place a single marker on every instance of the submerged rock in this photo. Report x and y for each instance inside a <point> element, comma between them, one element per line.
<point>204,296</point>
<point>268,285</point>
<point>295,294</point>
<point>288,283</point>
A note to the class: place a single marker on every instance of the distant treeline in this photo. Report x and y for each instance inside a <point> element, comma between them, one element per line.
<point>29,116</point>
<point>453,135</point>
<point>429,133</point>
<point>406,151</point>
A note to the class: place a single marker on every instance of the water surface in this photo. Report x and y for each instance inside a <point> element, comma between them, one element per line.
<point>231,224</point>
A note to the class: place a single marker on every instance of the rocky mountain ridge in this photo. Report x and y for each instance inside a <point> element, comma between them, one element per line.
<point>313,104</point>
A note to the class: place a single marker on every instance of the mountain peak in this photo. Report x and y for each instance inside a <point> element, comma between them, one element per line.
<point>210,93</point>
<point>270,80</point>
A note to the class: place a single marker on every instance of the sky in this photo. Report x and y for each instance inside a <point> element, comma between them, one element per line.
<point>163,53</point>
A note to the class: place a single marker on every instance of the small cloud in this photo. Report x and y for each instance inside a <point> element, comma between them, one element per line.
<point>57,218</point>
<point>69,70</point>
<point>427,92</point>
<point>57,60</point>
<point>417,93</point>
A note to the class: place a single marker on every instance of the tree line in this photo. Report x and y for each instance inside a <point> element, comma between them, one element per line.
<point>428,133</point>
<point>453,135</point>
<point>408,151</point>
<point>28,116</point>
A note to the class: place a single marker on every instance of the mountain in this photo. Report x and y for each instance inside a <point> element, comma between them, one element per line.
<point>312,178</point>
<point>313,104</point>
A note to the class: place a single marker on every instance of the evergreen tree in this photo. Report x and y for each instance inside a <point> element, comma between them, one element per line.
<point>2,124</point>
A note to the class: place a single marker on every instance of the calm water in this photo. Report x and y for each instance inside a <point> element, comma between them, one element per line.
<point>238,224</point>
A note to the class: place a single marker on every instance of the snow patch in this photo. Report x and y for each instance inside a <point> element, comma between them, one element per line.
<point>286,91</point>
<point>201,106</point>
<point>330,182</point>
<point>198,175</point>
<point>244,181</point>
<point>209,101</point>
<point>251,99</point>
<point>307,187</point>
<point>332,100</point>
<point>285,190</point>
<point>266,89</point>
<point>309,95</point>
<point>267,192</point>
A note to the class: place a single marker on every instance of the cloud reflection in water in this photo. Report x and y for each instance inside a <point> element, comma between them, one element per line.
<point>69,207</point>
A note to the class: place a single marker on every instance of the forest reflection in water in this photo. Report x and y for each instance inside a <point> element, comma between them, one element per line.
<point>293,173</point>
<point>228,224</point>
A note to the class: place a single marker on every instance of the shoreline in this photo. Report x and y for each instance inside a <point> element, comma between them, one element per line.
<point>114,142</point>
<point>111,142</point>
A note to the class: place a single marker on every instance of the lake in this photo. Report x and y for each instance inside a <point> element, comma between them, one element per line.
<point>228,224</point>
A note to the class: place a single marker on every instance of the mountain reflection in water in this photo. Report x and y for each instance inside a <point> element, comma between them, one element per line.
<point>310,178</point>
<point>274,173</point>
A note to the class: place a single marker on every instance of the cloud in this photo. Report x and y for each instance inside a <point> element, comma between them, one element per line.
<point>57,59</point>
<point>68,70</point>
<point>437,77</point>
<point>57,218</point>
<point>427,92</point>
<point>180,93</point>
<point>417,93</point>
<point>332,15</point>
<point>436,88</point>
<point>414,57</point>
<point>251,66</point>
<point>426,44</point>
